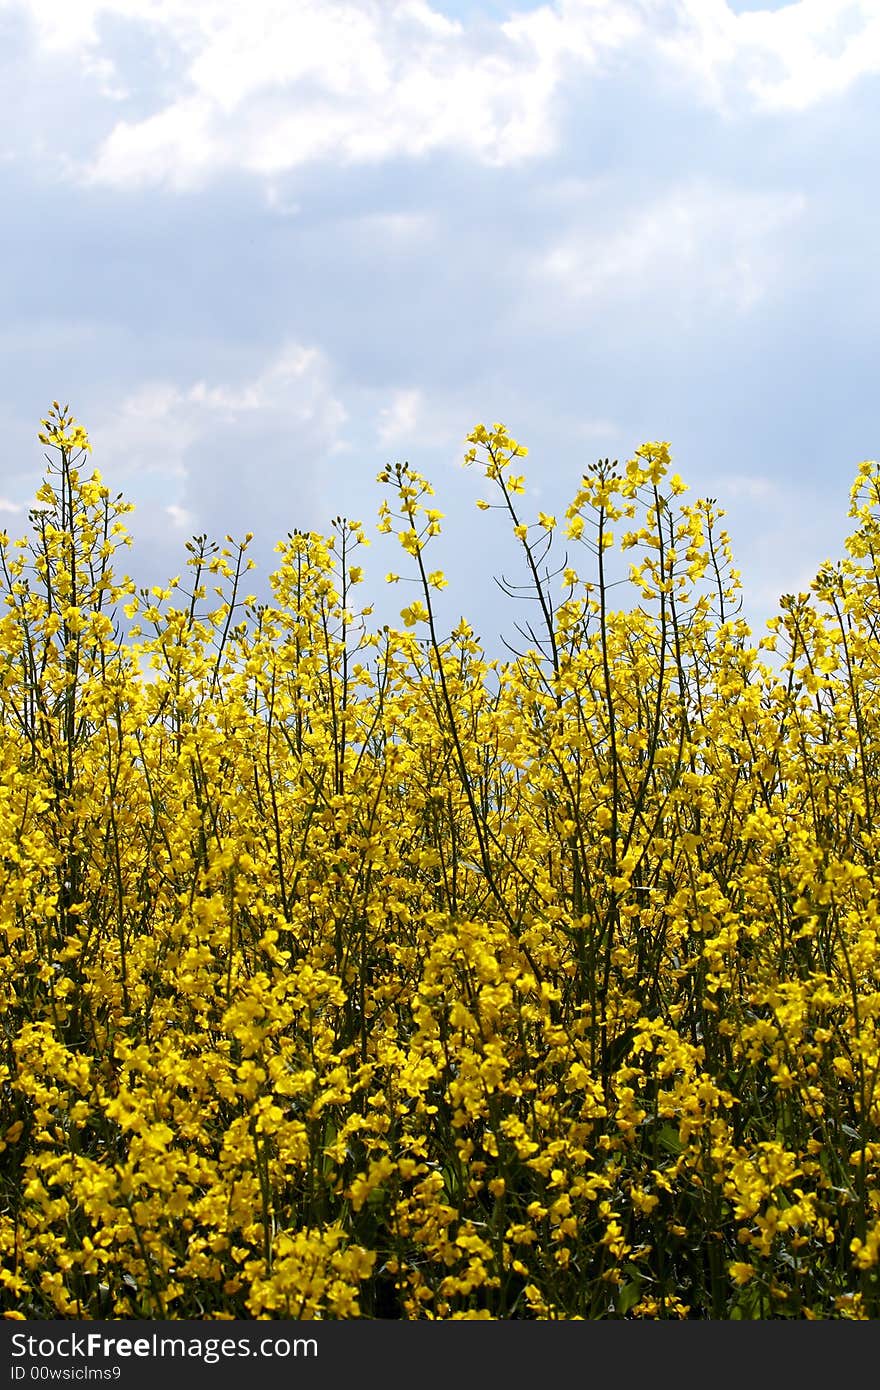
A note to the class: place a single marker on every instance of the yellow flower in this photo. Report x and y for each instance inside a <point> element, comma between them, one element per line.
<point>415,612</point>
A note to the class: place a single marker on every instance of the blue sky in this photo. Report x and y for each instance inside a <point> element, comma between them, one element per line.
<point>264,250</point>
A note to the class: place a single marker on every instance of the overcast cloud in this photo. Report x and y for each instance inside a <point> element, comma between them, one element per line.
<point>264,250</point>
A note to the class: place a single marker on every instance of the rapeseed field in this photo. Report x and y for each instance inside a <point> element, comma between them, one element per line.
<point>348,973</point>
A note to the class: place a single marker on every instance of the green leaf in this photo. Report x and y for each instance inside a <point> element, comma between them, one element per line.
<point>629,1295</point>
<point>668,1139</point>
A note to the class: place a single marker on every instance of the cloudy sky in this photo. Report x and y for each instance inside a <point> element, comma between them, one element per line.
<point>263,250</point>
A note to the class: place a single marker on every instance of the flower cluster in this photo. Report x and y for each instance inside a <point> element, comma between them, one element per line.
<point>348,973</point>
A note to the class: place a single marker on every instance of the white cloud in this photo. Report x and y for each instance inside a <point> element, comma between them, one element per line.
<point>181,519</point>
<point>276,85</point>
<point>147,432</point>
<point>271,86</point>
<point>399,419</point>
<point>415,419</point>
<point>775,60</point>
<point>696,240</point>
<point>174,434</point>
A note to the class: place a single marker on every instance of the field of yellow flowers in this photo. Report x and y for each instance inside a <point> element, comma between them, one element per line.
<point>348,973</point>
